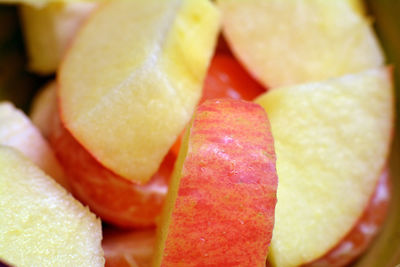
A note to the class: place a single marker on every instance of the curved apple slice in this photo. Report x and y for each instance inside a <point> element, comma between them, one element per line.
<point>290,42</point>
<point>362,234</point>
<point>41,224</point>
<point>16,130</point>
<point>220,205</point>
<point>332,141</point>
<point>49,29</point>
<point>141,79</point>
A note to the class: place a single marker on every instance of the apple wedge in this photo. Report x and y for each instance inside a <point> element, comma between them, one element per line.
<point>48,31</point>
<point>289,42</point>
<point>364,232</point>
<point>145,62</point>
<point>220,205</point>
<point>42,224</point>
<point>16,130</point>
<point>332,140</point>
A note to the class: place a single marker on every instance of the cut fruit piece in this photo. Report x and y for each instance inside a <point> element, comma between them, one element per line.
<point>16,130</point>
<point>290,42</point>
<point>42,224</point>
<point>357,241</point>
<point>128,248</point>
<point>226,78</point>
<point>332,141</point>
<point>113,198</point>
<point>220,206</point>
<point>49,30</point>
<point>141,79</point>
<point>44,109</point>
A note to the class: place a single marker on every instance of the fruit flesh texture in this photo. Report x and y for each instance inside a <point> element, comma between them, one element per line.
<point>138,206</point>
<point>357,241</point>
<point>150,80</point>
<point>16,130</point>
<point>222,195</point>
<point>48,31</point>
<point>128,248</point>
<point>113,198</point>
<point>41,224</point>
<point>291,42</point>
<point>332,140</point>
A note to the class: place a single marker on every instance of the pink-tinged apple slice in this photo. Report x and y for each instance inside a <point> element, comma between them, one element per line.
<point>48,31</point>
<point>363,233</point>
<point>290,42</point>
<point>41,224</point>
<point>332,141</point>
<point>140,80</point>
<point>220,205</point>
<point>16,130</point>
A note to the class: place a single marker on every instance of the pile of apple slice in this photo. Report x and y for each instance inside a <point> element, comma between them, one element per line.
<point>133,115</point>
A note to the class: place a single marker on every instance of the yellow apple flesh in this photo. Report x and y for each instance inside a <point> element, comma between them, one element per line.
<point>289,42</point>
<point>332,141</point>
<point>48,31</point>
<point>16,130</point>
<point>41,224</point>
<point>133,77</point>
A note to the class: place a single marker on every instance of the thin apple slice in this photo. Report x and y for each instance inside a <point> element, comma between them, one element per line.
<point>290,42</point>
<point>42,224</point>
<point>141,79</point>
<point>332,141</point>
<point>220,205</point>
<point>48,31</point>
<point>16,130</point>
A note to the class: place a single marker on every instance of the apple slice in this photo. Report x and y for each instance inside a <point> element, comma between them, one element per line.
<point>16,130</point>
<point>116,200</point>
<point>42,224</point>
<point>141,79</point>
<point>128,248</point>
<point>332,141</point>
<point>48,30</point>
<point>220,205</point>
<point>363,233</point>
<point>290,42</point>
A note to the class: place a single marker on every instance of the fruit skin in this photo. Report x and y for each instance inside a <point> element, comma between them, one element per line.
<point>226,78</point>
<point>41,223</point>
<point>128,248</point>
<point>291,42</point>
<point>113,198</point>
<point>332,140</point>
<point>16,130</point>
<point>151,80</point>
<point>368,226</point>
<point>48,31</point>
<point>220,205</point>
